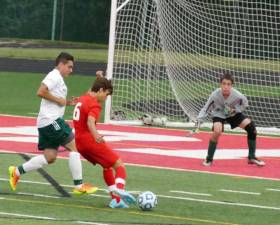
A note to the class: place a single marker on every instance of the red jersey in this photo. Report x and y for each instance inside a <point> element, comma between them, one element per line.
<point>94,152</point>
<point>87,106</point>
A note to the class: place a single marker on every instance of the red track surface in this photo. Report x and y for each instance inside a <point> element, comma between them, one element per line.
<point>142,148</point>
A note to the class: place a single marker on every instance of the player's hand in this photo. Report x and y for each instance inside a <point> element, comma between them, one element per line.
<point>61,101</point>
<point>229,110</point>
<point>73,101</point>
<point>99,139</point>
<point>100,73</point>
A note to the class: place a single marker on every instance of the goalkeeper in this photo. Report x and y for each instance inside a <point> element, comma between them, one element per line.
<point>226,105</point>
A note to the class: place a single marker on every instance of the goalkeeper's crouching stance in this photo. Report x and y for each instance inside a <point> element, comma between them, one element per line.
<point>226,105</point>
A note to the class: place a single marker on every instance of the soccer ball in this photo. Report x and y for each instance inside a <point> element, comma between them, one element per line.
<point>159,121</point>
<point>147,200</point>
<point>147,119</point>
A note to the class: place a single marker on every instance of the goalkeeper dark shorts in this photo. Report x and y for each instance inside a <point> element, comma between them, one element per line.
<point>234,121</point>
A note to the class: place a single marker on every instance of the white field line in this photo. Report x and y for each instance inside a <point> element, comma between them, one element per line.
<point>47,218</point>
<point>38,195</point>
<point>27,216</point>
<point>222,203</point>
<point>45,183</point>
<point>200,171</point>
<point>101,196</point>
<point>84,222</point>
<point>166,168</point>
<point>271,189</point>
<point>195,200</point>
<point>241,192</point>
<point>190,193</point>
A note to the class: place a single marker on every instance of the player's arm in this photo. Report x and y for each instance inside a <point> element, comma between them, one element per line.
<point>206,109</point>
<point>44,92</point>
<point>91,123</point>
<point>73,101</point>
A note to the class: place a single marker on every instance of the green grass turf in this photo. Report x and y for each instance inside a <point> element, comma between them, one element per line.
<point>172,207</point>
<point>18,92</point>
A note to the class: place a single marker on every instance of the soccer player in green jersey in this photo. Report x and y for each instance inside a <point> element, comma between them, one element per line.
<point>53,130</point>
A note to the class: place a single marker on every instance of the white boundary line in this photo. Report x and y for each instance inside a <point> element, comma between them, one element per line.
<point>48,218</point>
<point>27,216</point>
<point>240,192</point>
<point>222,203</point>
<point>165,168</point>
<point>207,172</point>
<point>271,189</point>
<point>173,197</point>
<point>190,193</point>
<point>38,195</point>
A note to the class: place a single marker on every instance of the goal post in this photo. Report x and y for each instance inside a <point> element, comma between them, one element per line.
<point>166,57</point>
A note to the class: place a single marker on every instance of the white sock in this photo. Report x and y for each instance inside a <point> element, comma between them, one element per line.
<point>75,166</point>
<point>35,163</point>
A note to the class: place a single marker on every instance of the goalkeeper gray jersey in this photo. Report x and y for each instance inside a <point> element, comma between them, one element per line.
<point>218,106</point>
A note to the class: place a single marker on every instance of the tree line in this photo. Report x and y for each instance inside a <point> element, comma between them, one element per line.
<point>83,21</point>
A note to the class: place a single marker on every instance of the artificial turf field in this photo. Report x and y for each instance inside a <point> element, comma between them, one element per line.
<point>185,197</point>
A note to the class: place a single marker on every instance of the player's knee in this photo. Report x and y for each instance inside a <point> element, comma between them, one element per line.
<point>51,160</point>
<point>217,132</point>
<point>118,163</point>
<point>251,131</point>
<point>50,157</point>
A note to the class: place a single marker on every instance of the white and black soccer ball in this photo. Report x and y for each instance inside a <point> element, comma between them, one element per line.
<point>159,121</point>
<point>147,119</point>
<point>147,200</point>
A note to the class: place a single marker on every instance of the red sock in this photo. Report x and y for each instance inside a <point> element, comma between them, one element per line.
<point>109,178</point>
<point>120,177</point>
<point>108,175</point>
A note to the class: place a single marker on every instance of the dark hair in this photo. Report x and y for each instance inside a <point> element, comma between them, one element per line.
<point>63,57</point>
<point>102,82</point>
<point>227,76</point>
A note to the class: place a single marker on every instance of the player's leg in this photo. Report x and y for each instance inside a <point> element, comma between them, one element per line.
<point>34,163</point>
<point>109,178</point>
<point>120,174</point>
<point>47,144</point>
<point>106,157</point>
<point>66,138</point>
<point>250,128</point>
<point>217,131</point>
<point>75,166</point>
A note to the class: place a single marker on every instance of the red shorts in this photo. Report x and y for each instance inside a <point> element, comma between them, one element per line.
<point>97,153</point>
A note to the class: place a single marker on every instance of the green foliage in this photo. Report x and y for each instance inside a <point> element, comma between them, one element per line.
<point>86,20</point>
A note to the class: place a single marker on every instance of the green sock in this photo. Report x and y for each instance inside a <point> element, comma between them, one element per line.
<point>78,182</point>
<point>211,150</point>
<point>21,170</point>
<point>252,148</point>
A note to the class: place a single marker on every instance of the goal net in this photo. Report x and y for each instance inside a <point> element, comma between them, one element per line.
<point>166,57</point>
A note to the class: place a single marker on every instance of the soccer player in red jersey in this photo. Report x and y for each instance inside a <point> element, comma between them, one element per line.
<point>92,146</point>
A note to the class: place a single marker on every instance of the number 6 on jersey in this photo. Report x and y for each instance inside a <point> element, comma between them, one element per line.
<point>76,113</point>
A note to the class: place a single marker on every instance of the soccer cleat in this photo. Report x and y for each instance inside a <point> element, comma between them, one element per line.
<point>121,204</point>
<point>256,161</point>
<point>13,177</point>
<point>86,188</point>
<point>207,163</point>
<point>128,198</point>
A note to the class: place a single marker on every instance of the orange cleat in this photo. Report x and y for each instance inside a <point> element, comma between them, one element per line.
<point>86,188</point>
<point>13,177</point>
